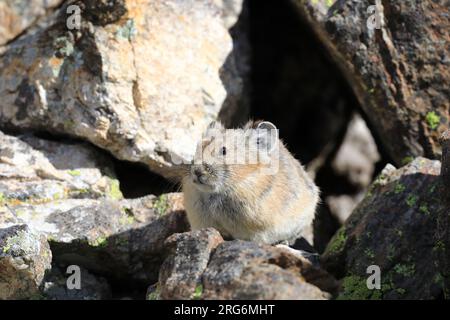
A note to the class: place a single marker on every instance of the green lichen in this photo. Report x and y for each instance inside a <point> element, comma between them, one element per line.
<point>126,219</point>
<point>99,242</point>
<point>400,291</point>
<point>438,278</point>
<point>155,294</point>
<point>407,160</point>
<point>337,243</point>
<point>128,30</point>
<point>433,120</point>
<point>369,253</point>
<point>355,288</point>
<point>2,199</point>
<point>329,3</point>
<point>391,252</point>
<point>74,173</point>
<point>114,190</point>
<point>411,200</point>
<point>399,188</point>
<point>161,205</point>
<point>439,246</point>
<point>424,209</point>
<point>406,270</point>
<point>198,292</point>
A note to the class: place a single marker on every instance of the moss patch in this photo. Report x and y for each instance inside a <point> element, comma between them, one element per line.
<point>198,292</point>
<point>355,288</point>
<point>337,243</point>
<point>99,242</point>
<point>161,205</point>
<point>433,120</point>
<point>114,190</point>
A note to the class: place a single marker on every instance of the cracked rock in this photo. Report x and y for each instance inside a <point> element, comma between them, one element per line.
<point>394,228</point>
<point>25,257</point>
<point>206,267</point>
<point>139,79</point>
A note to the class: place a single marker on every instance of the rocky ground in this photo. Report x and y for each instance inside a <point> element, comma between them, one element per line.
<point>95,121</point>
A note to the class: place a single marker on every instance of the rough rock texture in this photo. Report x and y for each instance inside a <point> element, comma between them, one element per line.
<point>25,256</point>
<point>59,190</point>
<point>91,287</point>
<point>36,171</point>
<point>206,267</point>
<point>445,141</point>
<point>18,15</point>
<point>443,236</point>
<point>399,73</point>
<point>394,227</point>
<point>140,79</point>
<point>182,271</point>
<point>110,237</point>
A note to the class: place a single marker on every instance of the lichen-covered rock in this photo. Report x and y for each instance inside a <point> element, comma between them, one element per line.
<point>398,72</point>
<point>394,227</point>
<point>91,287</point>
<point>18,15</point>
<point>117,238</point>
<point>206,267</point>
<point>36,170</point>
<point>140,79</point>
<point>25,256</point>
<point>181,273</point>
<point>69,193</point>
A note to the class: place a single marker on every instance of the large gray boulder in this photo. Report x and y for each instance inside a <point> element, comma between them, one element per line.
<point>394,228</point>
<point>140,79</point>
<point>68,192</point>
<point>200,265</point>
<point>395,57</point>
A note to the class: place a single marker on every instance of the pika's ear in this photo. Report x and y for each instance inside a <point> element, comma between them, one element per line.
<point>213,128</point>
<point>266,136</point>
<point>252,124</point>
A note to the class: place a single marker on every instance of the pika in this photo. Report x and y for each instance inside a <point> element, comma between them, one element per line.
<point>248,186</point>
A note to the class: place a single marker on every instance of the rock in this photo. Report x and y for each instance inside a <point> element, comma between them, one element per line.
<point>246,270</point>
<point>25,256</point>
<point>36,170</point>
<point>354,163</point>
<point>445,142</point>
<point>139,79</point>
<point>443,234</point>
<point>356,158</point>
<point>69,193</point>
<point>399,72</point>
<point>342,206</point>
<point>91,287</point>
<point>206,267</point>
<point>119,239</point>
<point>182,271</point>
<point>394,227</point>
<point>17,16</point>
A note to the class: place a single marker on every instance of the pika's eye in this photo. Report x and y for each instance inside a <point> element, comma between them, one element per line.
<point>223,151</point>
